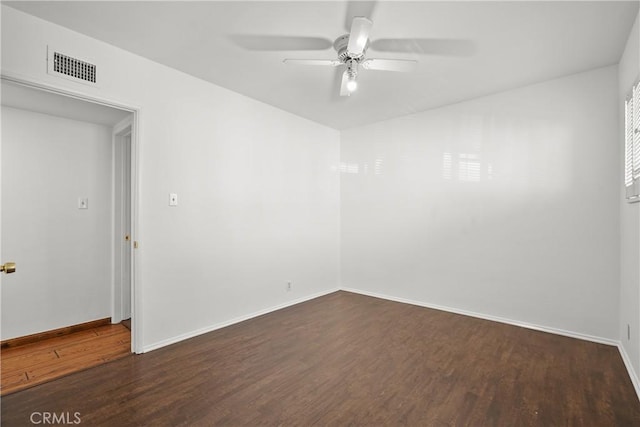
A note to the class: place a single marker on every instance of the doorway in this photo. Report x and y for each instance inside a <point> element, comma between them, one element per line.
<point>60,194</point>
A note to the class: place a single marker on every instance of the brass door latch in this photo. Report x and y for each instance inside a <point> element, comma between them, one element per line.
<point>8,267</point>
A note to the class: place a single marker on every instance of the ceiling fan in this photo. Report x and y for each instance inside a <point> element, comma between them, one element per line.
<point>351,49</point>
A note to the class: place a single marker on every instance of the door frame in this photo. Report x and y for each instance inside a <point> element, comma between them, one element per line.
<point>136,288</point>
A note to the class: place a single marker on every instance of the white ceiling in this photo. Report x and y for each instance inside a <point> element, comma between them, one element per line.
<point>514,44</point>
<point>53,104</point>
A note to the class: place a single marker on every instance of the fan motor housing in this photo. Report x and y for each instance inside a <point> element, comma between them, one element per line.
<point>340,45</point>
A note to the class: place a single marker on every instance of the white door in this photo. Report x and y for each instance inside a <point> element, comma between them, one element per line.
<point>126,279</point>
<point>122,214</point>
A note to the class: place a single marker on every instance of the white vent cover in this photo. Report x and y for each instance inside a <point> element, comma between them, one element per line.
<point>71,68</point>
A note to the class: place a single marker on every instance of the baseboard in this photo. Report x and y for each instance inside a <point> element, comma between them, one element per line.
<point>527,325</point>
<point>630,370</point>
<point>220,325</point>
<point>28,339</point>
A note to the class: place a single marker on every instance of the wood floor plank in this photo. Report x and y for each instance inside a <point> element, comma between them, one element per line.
<point>110,330</point>
<point>85,357</point>
<point>347,359</point>
<point>20,361</point>
<point>13,379</point>
<point>45,372</point>
<point>48,344</point>
<point>41,336</point>
<point>94,346</point>
<point>88,334</point>
<point>74,357</point>
<point>38,362</point>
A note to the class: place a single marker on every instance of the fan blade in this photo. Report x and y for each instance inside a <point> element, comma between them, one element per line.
<point>358,8</point>
<point>276,43</point>
<point>337,86</point>
<point>446,47</point>
<point>326,62</point>
<point>402,65</point>
<point>343,86</point>
<point>358,36</point>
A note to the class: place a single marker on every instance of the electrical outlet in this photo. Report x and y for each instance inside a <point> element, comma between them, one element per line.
<point>288,286</point>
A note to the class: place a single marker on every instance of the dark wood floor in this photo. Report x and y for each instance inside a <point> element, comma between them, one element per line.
<point>347,359</point>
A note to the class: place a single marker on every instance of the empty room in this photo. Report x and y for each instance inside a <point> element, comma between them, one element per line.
<point>370,213</point>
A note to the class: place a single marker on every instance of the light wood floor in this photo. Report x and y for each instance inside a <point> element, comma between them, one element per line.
<point>31,364</point>
<point>350,360</point>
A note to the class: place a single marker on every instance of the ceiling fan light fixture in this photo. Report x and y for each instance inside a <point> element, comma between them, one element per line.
<point>352,84</point>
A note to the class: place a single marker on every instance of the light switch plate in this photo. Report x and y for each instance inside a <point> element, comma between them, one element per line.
<point>83,203</point>
<point>173,199</point>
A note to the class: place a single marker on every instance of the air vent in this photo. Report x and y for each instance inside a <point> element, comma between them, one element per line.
<point>75,69</point>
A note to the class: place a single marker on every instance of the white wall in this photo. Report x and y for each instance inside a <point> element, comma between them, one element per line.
<point>258,187</point>
<point>63,253</point>
<point>628,72</point>
<point>505,206</point>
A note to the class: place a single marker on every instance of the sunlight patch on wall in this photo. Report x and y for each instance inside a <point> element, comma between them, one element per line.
<point>467,168</point>
<point>377,168</point>
<point>354,168</point>
<point>447,165</point>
